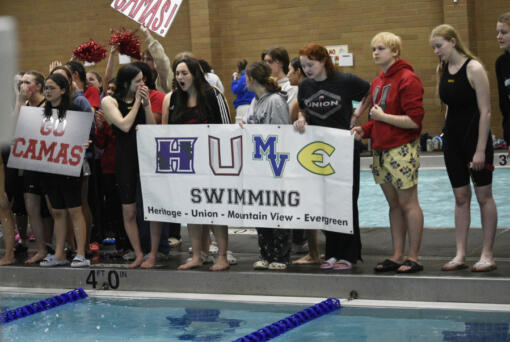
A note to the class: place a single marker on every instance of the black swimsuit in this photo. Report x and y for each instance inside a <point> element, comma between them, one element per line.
<point>461,130</point>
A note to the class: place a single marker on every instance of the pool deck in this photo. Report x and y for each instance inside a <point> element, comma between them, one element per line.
<point>431,285</point>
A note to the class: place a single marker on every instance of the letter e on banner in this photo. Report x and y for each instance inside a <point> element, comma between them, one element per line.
<point>157,15</point>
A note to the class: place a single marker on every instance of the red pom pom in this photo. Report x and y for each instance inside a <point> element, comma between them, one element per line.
<point>90,52</point>
<point>127,41</point>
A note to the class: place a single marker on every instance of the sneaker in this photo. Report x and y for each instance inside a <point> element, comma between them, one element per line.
<point>206,259</point>
<point>261,265</point>
<point>174,242</point>
<point>213,248</point>
<point>231,258</point>
<point>129,256</point>
<point>277,266</point>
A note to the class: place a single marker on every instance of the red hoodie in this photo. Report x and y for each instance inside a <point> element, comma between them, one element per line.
<point>399,92</point>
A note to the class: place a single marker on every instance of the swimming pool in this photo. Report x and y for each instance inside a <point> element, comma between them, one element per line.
<point>436,199</point>
<point>151,319</point>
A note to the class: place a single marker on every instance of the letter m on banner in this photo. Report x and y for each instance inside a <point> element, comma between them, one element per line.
<point>175,155</point>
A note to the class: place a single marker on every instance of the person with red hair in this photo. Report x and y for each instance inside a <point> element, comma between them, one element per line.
<point>325,99</point>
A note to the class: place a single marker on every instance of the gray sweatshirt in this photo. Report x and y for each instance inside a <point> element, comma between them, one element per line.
<point>270,108</point>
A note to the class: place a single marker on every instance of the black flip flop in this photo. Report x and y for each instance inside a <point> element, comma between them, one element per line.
<point>414,267</point>
<point>387,266</point>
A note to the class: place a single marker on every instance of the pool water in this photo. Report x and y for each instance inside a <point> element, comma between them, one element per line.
<point>97,319</point>
<point>436,199</point>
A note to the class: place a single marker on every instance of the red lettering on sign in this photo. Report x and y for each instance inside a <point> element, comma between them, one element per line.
<point>15,147</point>
<point>119,3</point>
<point>152,12</point>
<point>135,10</point>
<point>129,4</point>
<point>157,23</point>
<point>32,144</point>
<point>46,151</point>
<point>46,126</point>
<point>76,153</point>
<point>62,154</point>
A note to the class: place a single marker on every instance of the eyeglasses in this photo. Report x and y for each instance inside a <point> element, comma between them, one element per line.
<point>50,88</point>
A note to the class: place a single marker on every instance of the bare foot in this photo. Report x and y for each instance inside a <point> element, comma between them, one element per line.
<point>36,258</point>
<point>306,260</point>
<point>221,264</point>
<point>7,260</point>
<point>138,261</point>
<point>150,262</point>
<point>194,263</point>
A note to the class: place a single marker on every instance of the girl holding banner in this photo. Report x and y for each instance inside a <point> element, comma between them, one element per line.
<point>269,106</point>
<point>194,101</point>
<point>128,107</point>
<point>64,192</point>
<point>325,99</point>
<point>396,113</point>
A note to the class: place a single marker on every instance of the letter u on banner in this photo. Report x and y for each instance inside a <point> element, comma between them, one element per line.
<point>236,157</point>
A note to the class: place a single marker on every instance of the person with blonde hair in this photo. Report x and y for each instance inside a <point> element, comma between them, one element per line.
<point>396,115</point>
<point>503,73</point>
<point>468,153</point>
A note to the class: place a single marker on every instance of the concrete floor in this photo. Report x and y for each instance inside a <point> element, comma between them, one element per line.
<point>304,280</point>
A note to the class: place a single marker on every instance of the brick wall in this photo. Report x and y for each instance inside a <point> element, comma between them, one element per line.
<point>225,31</point>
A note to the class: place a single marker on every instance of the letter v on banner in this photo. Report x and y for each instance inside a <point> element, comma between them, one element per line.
<point>236,157</point>
<point>157,15</point>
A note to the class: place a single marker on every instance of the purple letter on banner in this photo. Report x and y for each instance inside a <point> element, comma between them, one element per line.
<point>175,155</point>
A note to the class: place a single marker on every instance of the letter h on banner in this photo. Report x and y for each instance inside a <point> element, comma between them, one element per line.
<point>175,155</point>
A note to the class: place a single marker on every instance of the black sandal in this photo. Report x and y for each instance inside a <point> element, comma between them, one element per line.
<point>387,266</point>
<point>413,267</point>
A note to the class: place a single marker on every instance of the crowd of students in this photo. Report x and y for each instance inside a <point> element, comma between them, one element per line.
<point>104,201</point>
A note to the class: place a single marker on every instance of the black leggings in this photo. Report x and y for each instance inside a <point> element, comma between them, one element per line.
<point>347,246</point>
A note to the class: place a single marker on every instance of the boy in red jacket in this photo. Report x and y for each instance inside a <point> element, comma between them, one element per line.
<point>396,115</point>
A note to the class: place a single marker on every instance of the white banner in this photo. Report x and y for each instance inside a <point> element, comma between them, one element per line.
<point>257,176</point>
<point>50,146</point>
<point>156,15</point>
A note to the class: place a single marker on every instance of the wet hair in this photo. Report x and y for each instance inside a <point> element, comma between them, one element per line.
<point>261,73</point>
<point>448,32</point>
<point>388,40</point>
<point>241,65</point>
<point>319,53</point>
<point>206,68</point>
<point>201,86</point>
<point>123,80</point>
<point>279,54</point>
<point>78,67</point>
<point>147,74</point>
<point>296,64</point>
<point>504,18</point>
<point>65,101</point>
<point>38,78</point>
